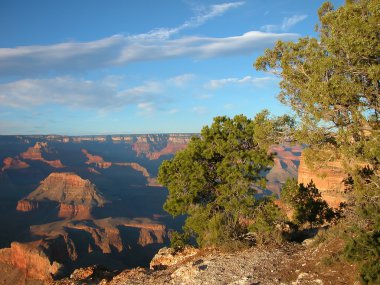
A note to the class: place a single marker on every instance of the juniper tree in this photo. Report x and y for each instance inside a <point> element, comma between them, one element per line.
<point>333,84</point>
<point>213,180</point>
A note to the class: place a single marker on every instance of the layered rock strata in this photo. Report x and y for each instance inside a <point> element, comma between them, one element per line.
<point>328,179</point>
<point>75,196</point>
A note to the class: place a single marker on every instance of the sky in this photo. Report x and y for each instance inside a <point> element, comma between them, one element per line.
<point>82,67</point>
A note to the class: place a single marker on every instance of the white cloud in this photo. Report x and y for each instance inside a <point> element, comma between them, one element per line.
<point>202,16</point>
<point>256,81</point>
<point>181,80</point>
<point>72,92</point>
<point>286,25</point>
<point>122,50</point>
<point>147,108</point>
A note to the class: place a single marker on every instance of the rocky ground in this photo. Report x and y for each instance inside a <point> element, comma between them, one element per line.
<point>291,264</point>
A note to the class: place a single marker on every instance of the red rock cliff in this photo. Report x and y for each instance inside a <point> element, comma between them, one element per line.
<point>26,205</point>
<point>70,211</point>
<point>154,146</point>
<point>328,179</point>
<point>68,188</point>
<point>13,163</point>
<point>35,153</point>
<point>75,196</point>
<point>31,259</point>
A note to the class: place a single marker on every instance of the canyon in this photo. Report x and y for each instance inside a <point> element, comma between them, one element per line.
<point>79,201</point>
<point>73,202</point>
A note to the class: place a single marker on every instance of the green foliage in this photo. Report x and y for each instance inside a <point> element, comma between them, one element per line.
<point>307,203</point>
<point>363,241</point>
<point>179,240</point>
<point>267,222</point>
<point>365,249</point>
<point>213,180</point>
<point>333,85</point>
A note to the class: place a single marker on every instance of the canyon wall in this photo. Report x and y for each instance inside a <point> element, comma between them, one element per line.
<point>328,179</point>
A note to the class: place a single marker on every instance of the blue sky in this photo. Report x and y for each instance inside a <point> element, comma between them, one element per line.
<point>78,67</point>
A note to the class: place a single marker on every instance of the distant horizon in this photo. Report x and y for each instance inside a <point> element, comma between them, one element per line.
<point>96,135</point>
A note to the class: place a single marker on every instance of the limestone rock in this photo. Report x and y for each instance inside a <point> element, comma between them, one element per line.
<point>168,257</point>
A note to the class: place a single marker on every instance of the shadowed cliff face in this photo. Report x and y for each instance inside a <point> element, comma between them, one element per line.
<point>63,246</point>
<point>59,221</point>
<point>286,162</point>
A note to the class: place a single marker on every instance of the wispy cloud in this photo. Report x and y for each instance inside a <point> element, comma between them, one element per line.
<point>121,50</point>
<point>76,93</point>
<point>256,81</point>
<point>201,17</point>
<point>146,108</point>
<point>286,25</point>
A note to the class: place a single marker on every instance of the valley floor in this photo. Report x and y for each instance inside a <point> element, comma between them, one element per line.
<point>291,264</point>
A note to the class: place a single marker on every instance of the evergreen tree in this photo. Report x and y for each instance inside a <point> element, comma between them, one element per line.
<point>213,180</point>
<point>333,84</point>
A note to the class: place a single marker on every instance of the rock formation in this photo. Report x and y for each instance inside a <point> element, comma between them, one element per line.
<point>328,179</point>
<point>154,146</point>
<point>33,260</point>
<point>71,211</point>
<point>285,166</point>
<point>35,153</point>
<point>26,205</point>
<point>100,163</point>
<point>61,244</point>
<point>174,144</point>
<point>13,163</point>
<point>75,195</point>
<point>92,158</point>
<point>167,257</point>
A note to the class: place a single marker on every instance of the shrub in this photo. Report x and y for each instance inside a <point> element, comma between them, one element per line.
<point>309,207</point>
<point>267,222</point>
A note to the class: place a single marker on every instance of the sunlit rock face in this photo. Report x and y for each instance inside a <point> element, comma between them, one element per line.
<point>328,179</point>
<point>35,153</point>
<point>13,163</point>
<point>74,195</point>
<point>155,146</point>
<point>32,259</point>
<point>25,205</point>
<point>67,188</point>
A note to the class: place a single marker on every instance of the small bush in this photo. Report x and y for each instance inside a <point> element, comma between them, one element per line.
<point>268,221</point>
<point>179,240</point>
<point>309,207</point>
<point>364,248</point>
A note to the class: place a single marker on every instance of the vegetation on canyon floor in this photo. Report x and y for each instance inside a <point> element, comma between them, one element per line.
<point>332,83</point>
